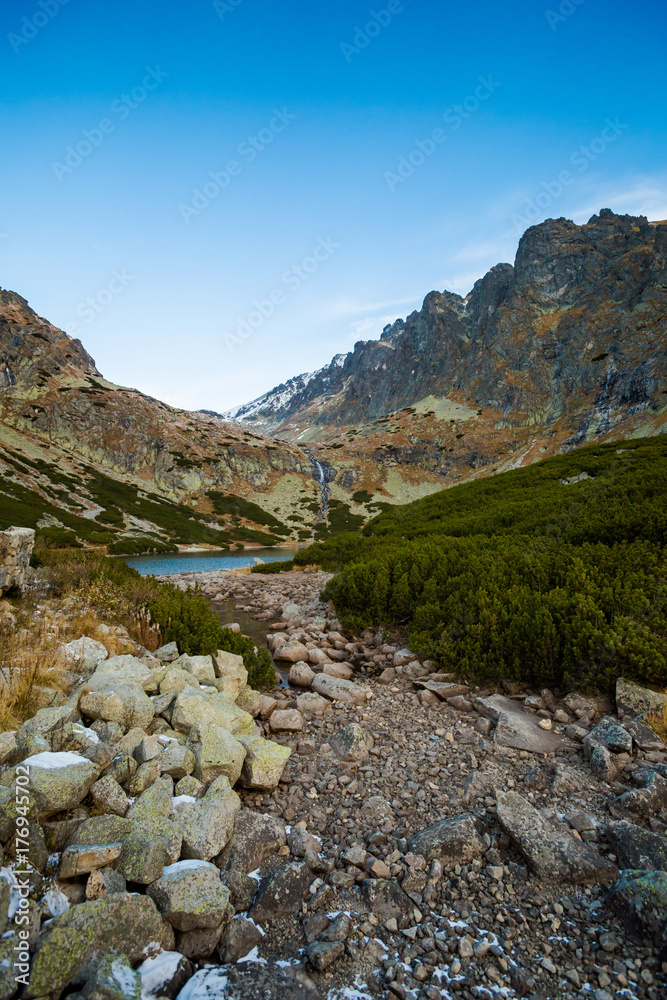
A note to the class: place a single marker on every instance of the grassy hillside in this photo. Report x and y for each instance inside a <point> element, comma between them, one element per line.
<point>125,518</point>
<point>533,574</point>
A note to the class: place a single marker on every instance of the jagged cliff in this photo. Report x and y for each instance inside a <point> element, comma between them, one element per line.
<point>566,346</point>
<point>569,343</point>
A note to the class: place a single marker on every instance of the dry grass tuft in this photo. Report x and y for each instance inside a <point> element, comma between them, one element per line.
<point>28,661</point>
<point>659,724</point>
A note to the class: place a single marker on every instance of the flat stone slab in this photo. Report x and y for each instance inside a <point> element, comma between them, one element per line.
<point>443,689</point>
<point>552,853</point>
<point>518,729</point>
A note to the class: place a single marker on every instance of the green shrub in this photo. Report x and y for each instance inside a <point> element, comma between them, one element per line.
<point>139,545</point>
<point>521,576</point>
<point>279,566</point>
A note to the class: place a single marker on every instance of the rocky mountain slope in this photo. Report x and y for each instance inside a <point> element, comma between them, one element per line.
<point>81,455</point>
<point>566,346</point>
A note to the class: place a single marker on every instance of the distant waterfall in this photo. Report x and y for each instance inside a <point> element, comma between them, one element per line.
<point>322,474</point>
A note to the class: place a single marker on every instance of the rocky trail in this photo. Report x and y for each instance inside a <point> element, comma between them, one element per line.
<point>448,841</point>
<point>375,830</point>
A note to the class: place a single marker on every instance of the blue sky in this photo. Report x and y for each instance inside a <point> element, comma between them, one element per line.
<point>308,236</point>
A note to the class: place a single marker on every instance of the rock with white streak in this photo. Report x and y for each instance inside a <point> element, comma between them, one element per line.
<point>190,895</point>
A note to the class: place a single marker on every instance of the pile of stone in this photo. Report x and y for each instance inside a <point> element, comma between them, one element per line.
<point>132,834</point>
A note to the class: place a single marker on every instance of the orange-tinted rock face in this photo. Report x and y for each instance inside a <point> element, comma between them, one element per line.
<point>566,346</point>
<point>570,342</point>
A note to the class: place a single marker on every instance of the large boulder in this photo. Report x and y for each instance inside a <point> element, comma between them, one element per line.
<point>230,669</point>
<point>190,895</point>
<point>264,762</point>
<point>639,899</point>
<point>550,852</point>
<point>610,734</point>
<point>202,668</point>
<point>149,842</point>
<point>352,743</point>
<point>310,703</point>
<point>636,847</point>
<point>176,679</point>
<point>301,675</point>
<point>516,728</point>
<point>338,689</point>
<point>207,823</point>
<point>58,781</point>
<point>114,979</point>
<point>649,798</point>
<point>637,700</point>
<point>167,653</point>
<point>83,654</point>
<point>70,946</point>
<point>118,670</point>
<point>215,752</point>
<point>49,723</point>
<point>177,760</point>
<point>292,651</point>
<point>287,720</point>
<point>124,703</point>
<point>256,838</point>
<point>455,840</point>
<point>281,893</point>
<point>197,708</point>
<point>239,939</point>
<point>148,849</point>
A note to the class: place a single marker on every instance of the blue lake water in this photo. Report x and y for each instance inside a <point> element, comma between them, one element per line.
<point>204,562</point>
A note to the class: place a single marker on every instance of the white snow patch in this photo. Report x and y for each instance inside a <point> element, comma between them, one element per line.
<point>251,921</point>
<point>207,984</point>
<point>253,956</point>
<point>56,902</point>
<point>49,761</point>
<point>88,734</point>
<point>157,971</point>
<point>187,866</point>
<point>355,992</point>
<point>180,799</point>
<point>123,975</point>
<point>257,877</point>
<point>8,876</point>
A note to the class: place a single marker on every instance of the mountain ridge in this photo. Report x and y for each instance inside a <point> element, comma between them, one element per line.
<point>490,349</point>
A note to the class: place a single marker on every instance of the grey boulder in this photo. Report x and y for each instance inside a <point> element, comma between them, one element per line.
<point>551,853</point>
<point>190,895</point>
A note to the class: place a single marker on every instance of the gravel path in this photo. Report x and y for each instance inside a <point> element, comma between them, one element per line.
<point>490,914</point>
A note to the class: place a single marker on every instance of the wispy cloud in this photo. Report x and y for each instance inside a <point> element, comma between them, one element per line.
<point>345,308</point>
